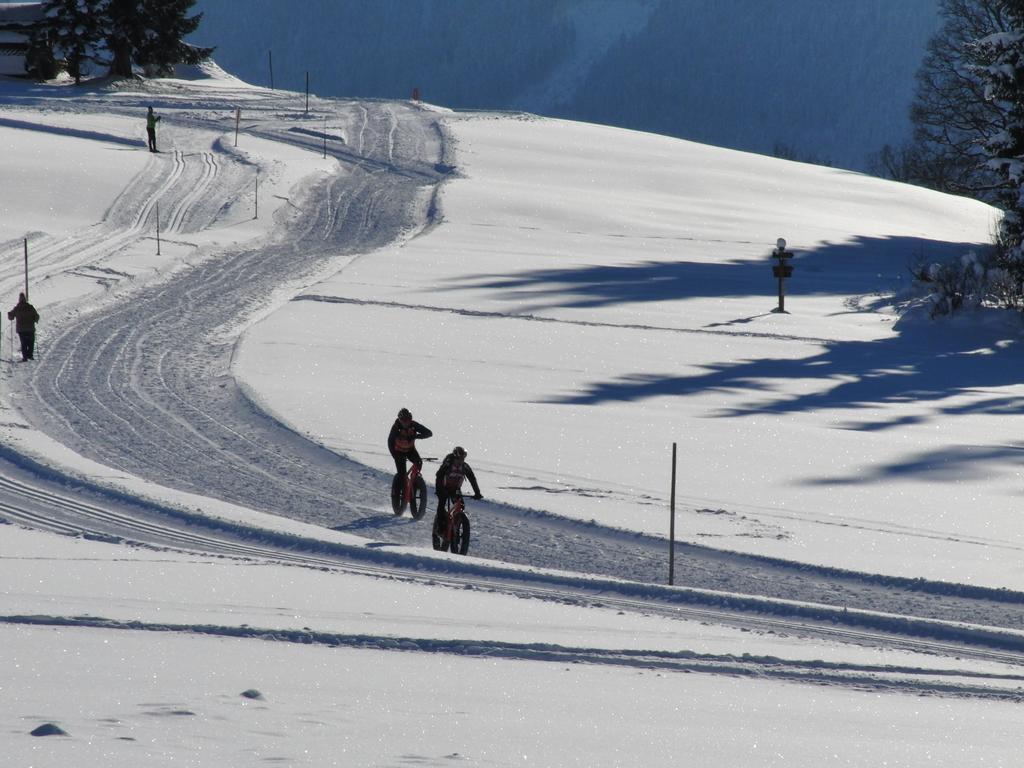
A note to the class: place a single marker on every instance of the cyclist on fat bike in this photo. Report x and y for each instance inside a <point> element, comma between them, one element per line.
<point>453,471</point>
<point>402,440</point>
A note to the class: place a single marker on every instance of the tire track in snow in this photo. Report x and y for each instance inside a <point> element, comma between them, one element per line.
<point>557,320</point>
<point>960,684</point>
<point>177,182</point>
<point>197,189</point>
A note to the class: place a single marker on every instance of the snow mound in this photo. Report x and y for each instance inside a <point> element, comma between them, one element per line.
<point>207,70</point>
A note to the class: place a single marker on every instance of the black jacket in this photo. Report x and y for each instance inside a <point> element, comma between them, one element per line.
<point>401,439</point>
<point>449,478</point>
<point>24,316</point>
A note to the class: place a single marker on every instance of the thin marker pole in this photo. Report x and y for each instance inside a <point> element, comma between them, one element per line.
<point>325,138</point>
<point>270,58</point>
<point>238,118</point>
<point>26,268</point>
<point>672,524</point>
<point>256,197</point>
<point>158,229</point>
<point>307,93</point>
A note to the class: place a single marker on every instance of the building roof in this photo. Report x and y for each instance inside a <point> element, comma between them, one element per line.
<point>21,13</point>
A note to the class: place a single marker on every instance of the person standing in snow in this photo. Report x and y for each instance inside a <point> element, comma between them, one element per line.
<point>151,121</point>
<point>25,318</point>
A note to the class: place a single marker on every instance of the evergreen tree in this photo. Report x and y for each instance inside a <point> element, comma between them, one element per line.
<point>126,31</point>
<point>168,25</point>
<point>76,30</point>
<point>951,116</point>
<point>150,33</point>
<point>1003,80</point>
<point>968,116</point>
<point>40,61</point>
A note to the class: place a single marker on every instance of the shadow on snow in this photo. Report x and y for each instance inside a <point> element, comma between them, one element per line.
<point>944,369</point>
<point>78,133</point>
<point>863,265</point>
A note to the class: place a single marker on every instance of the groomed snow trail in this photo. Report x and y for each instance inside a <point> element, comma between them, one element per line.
<point>143,384</point>
<point>96,514</point>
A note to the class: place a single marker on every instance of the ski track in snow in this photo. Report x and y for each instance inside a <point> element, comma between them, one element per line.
<point>182,183</point>
<point>143,384</point>
<point>97,514</point>
<point>953,682</point>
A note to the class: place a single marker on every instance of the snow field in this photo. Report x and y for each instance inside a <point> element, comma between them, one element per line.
<point>423,673</point>
<point>177,702</point>
<point>46,154</point>
<point>594,295</point>
<point>417,684</point>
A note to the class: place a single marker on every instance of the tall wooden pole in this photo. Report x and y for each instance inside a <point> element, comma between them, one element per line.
<point>307,93</point>
<point>158,229</point>
<point>256,197</point>
<point>672,524</point>
<point>325,138</point>
<point>238,119</point>
<point>26,269</point>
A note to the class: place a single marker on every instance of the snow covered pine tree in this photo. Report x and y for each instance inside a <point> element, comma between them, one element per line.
<point>1003,78</point>
<point>76,31</point>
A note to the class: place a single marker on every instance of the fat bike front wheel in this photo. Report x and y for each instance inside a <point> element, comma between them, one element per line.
<point>460,534</point>
<point>398,495</point>
<point>419,499</point>
<point>437,537</point>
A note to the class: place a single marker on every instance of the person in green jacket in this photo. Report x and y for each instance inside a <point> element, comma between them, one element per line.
<point>151,121</point>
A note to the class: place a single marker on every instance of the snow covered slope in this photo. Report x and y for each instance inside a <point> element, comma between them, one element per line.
<point>830,81</point>
<point>539,289</point>
<point>594,295</point>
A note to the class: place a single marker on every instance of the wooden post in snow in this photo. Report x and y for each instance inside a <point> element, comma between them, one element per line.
<point>672,523</point>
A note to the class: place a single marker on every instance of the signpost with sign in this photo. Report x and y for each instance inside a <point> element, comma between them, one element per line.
<point>782,271</point>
